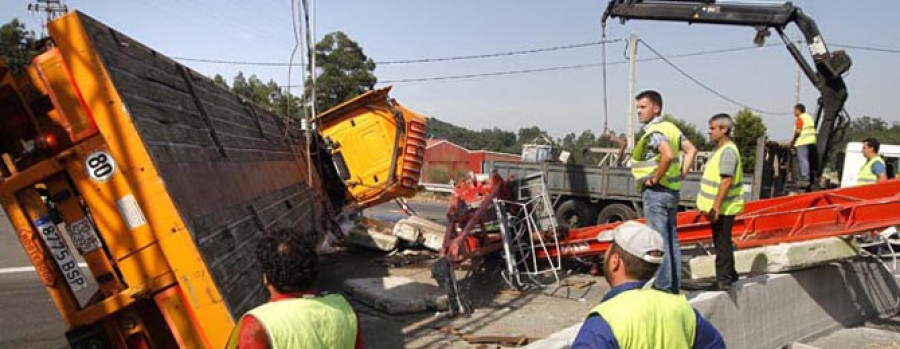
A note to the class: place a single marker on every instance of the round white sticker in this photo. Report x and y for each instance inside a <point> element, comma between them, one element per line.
<point>100,166</point>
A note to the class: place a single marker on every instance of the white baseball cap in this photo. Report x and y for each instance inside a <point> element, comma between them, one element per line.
<point>637,239</point>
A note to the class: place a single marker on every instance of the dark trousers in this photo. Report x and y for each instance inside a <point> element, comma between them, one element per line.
<point>725,271</point>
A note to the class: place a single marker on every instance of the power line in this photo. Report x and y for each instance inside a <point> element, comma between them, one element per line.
<point>868,48</point>
<point>500,73</point>
<point>520,52</point>
<point>500,54</point>
<point>417,60</point>
<point>568,67</point>
<point>704,86</point>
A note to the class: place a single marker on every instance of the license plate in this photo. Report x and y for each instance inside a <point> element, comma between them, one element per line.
<point>83,235</point>
<point>61,254</point>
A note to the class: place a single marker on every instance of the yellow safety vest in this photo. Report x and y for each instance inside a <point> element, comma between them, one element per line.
<point>315,322</point>
<point>808,132</point>
<point>866,176</point>
<point>643,169</point>
<point>650,319</point>
<point>709,184</point>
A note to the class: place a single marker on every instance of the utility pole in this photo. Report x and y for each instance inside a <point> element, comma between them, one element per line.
<point>797,101</point>
<point>632,63</point>
<point>53,8</point>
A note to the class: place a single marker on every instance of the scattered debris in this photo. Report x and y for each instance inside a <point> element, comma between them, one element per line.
<point>402,258</point>
<point>396,295</point>
<point>579,284</point>
<point>385,235</point>
<point>509,341</point>
<point>372,238</point>
<point>420,231</point>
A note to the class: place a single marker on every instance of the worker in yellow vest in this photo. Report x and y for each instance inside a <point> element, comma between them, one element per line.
<point>658,170</point>
<point>634,315</point>
<point>296,316</point>
<point>805,142</point>
<point>721,196</point>
<point>874,170</point>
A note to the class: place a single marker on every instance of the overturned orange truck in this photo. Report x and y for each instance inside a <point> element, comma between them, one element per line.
<point>160,182</point>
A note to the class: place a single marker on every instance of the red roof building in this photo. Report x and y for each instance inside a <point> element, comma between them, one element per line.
<point>457,160</point>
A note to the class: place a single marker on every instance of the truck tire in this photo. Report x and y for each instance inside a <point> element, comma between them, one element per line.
<point>574,213</point>
<point>616,213</point>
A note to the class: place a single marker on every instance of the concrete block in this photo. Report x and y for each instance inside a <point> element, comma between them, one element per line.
<point>362,236</point>
<point>419,230</point>
<point>861,337</point>
<point>396,295</point>
<point>778,258</point>
<point>775,310</point>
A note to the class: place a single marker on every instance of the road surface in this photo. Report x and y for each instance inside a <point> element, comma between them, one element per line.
<point>29,318</point>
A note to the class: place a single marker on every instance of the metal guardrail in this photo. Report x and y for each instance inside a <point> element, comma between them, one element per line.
<point>437,188</point>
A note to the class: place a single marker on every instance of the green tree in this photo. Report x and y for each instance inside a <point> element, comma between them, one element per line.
<point>219,80</point>
<point>748,127</point>
<point>267,94</point>
<point>343,71</point>
<point>858,130</point>
<point>529,135</point>
<point>16,44</point>
<point>691,132</point>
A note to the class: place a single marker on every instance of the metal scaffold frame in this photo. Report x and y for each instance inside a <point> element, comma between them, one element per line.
<point>532,230</point>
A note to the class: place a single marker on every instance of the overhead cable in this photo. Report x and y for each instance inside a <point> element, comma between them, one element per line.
<point>500,54</point>
<point>867,48</point>
<point>704,86</point>
<point>417,60</point>
<point>568,67</point>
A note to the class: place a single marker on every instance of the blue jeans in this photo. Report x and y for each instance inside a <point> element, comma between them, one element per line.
<point>803,161</point>
<point>660,210</point>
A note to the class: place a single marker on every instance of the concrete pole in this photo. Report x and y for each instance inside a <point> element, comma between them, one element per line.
<point>632,44</point>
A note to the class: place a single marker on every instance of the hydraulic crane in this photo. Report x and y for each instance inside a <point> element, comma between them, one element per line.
<point>532,245</point>
<point>830,66</point>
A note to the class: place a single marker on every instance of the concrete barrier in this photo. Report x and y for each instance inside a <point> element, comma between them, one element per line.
<point>774,310</point>
<point>779,258</point>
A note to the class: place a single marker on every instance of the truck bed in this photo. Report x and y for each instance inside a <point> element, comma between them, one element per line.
<point>225,162</point>
<point>596,183</point>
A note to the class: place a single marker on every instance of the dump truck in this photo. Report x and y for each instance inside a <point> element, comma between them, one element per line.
<point>161,182</point>
<point>587,195</point>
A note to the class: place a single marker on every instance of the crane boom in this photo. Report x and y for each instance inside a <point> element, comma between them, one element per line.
<point>830,66</point>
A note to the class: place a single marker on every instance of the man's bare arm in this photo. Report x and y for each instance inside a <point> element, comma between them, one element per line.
<point>690,154</point>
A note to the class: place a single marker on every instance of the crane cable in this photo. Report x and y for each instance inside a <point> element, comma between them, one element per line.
<point>605,94</point>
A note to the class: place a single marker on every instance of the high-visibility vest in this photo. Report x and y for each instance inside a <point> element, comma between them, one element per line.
<point>866,176</point>
<point>643,169</point>
<point>650,319</point>
<point>315,322</point>
<point>808,132</point>
<point>733,203</point>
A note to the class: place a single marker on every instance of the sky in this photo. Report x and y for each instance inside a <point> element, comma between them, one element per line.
<point>561,101</point>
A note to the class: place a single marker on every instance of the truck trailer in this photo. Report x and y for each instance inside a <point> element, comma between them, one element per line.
<point>161,182</point>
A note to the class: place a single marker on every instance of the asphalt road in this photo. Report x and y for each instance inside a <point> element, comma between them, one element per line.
<point>28,317</point>
<point>433,210</point>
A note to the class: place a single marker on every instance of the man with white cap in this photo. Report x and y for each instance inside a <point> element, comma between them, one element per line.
<point>632,315</point>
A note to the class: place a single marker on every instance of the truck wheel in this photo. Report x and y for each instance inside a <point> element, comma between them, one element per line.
<point>616,213</point>
<point>574,213</point>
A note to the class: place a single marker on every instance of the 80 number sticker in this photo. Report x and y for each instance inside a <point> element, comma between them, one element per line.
<point>100,166</point>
